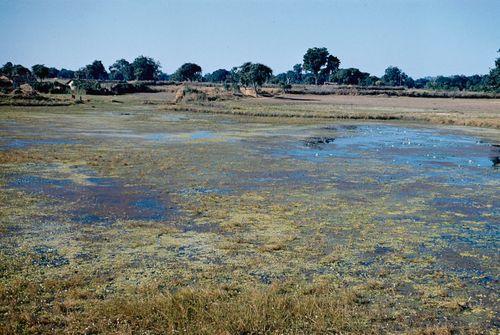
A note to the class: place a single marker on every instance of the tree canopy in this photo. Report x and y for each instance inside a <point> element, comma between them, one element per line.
<point>66,74</point>
<point>494,77</point>
<point>10,70</point>
<point>94,71</point>
<point>188,72</point>
<point>40,71</point>
<point>53,72</point>
<point>394,76</point>
<point>318,67</point>
<point>350,76</point>
<point>254,74</point>
<point>121,70</point>
<point>319,60</point>
<point>218,76</point>
<point>146,68</point>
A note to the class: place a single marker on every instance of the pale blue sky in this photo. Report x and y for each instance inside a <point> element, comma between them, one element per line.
<point>425,37</point>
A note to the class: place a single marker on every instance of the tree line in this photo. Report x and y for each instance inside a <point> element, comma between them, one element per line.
<point>318,67</point>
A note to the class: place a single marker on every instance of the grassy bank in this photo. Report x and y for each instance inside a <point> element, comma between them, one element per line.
<point>333,108</point>
<point>388,91</point>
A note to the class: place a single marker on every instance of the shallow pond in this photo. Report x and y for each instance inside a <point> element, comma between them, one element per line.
<point>198,197</point>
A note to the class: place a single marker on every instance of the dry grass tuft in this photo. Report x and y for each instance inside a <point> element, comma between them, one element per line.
<point>77,305</point>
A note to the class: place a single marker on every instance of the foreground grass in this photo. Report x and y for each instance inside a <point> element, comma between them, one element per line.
<point>34,301</point>
<point>79,304</point>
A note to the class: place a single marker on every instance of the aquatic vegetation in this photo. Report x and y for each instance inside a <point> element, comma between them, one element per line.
<point>236,225</point>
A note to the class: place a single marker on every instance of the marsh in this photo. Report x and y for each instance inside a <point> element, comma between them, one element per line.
<point>105,204</point>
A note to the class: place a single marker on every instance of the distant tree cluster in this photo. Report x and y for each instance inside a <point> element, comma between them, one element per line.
<point>218,76</point>
<point>318,67</point>
<point>11,70</point>
<point>142,68</point>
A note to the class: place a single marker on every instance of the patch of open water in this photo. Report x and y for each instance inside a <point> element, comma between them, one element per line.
<point>99,200</point>
<point>399,145</point>
<point>442,156</point>
<point>15,143</point>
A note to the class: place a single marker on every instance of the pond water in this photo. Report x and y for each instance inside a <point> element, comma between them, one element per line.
<point>410,199</point>
<point>399,145</point>
<point>98,201</point>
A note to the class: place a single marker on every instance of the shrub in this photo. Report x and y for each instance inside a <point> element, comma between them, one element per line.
<point>124,88</point>
<point>91,87</point>
<point>51,87</point>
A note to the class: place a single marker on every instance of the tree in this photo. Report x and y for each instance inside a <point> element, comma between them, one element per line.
<point>20,71</point>
<point>422,82</point>
<point>219,76</point>
<point>254,74</point>
<point>17,73</point>
<point>146,68</point>
<point>280,78</point>
<point>66,74</point>
<point>235,77</point>
<point>369,81</point>
<point>318,60</point>
<point>394,76</point>
<point>163,76</point>
<point>332,65</point>
<point>297,69</point>
<point>494,77</point>
<point>121,70</point>
<point>95,71</point>
<point>6,70</point>
<point>244,74</point>
<point>350,76</point>
<point>40,71</point>
<point>53,72</point>
<point>188,72</point>
<point>289,77</point>
<point>10,70</point>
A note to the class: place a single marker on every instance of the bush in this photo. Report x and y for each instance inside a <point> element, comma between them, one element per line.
<point>124,88</point>
<point>91,87</point>
<point>51,87</point>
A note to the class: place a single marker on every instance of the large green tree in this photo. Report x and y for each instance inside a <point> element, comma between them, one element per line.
<point>40,71</point>
<point>146,68</point>
<point>10,70</point>
<point>332,65</point>
<point>394,76</point>
<point>319,61</point>
<point>350,76</point>
<point>121,70</point>
<point>188,72</point>
<point>94,71</point>
<point>66,74</point>
<point>218,76</point>
<point>53,72</point>
<point>6,69</point>
<point>254,74</point>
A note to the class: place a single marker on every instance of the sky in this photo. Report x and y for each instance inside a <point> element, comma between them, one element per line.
<point>423,37</point>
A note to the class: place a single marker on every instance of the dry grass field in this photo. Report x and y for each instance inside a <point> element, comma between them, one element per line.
<point>467,112</point>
